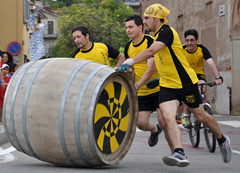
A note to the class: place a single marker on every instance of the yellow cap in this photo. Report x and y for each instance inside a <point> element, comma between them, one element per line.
<point>158,11</point>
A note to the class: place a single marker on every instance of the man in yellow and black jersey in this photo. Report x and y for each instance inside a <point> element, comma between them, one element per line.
<point>92,51</point>
<point>178,83</point>
<point>144,72</point>
<point>196,55</point>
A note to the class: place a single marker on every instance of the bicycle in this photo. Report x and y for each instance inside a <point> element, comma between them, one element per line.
<point>195,125</point>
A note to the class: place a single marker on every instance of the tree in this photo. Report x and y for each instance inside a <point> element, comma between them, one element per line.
<point>56,4</point>
<point>105,21</point>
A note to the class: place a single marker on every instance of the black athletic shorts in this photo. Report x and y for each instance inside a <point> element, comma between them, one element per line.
<point>201,77</point>
<point>189,95</point>
<point>149,102</point>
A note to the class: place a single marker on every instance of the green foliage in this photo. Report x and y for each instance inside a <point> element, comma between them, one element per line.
<point>118,10</point>
<point>105,21</point>
<point>58,51</point>
<point>113,62</point>
<point>121,49</point>
<point>91,3</point>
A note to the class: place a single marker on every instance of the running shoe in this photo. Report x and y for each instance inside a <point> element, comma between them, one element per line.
<point>226,150</point>
<point>153,139</point>
<point>176,159</point>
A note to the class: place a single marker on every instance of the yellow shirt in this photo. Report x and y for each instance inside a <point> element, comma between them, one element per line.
<point>98,52</point>
<point>173,66</point>
<point>197,58</point>
<point>131,50</point>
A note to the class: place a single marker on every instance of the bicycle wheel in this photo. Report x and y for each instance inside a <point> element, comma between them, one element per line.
<point>194,130</point>
<point>209,136</point>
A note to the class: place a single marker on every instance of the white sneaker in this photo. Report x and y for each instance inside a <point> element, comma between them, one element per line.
<point>176,159</point>
<point>226,150</point>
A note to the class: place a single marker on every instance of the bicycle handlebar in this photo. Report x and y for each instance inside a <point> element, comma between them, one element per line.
<point>210,84</point>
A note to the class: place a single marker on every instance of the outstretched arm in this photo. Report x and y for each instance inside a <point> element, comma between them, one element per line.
<point>144,55</point>
<point>148,73</point>
<point>215,71</point>
<point>148,53</point>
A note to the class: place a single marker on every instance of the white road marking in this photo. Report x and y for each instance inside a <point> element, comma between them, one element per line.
<point>236,152</point>
<point>6,151</point>
<point>235,124</point>
<point>6,156</point>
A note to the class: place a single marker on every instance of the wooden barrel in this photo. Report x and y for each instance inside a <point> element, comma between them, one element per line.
<point>71,112</point>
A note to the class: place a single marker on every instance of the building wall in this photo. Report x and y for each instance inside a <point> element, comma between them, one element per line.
<point>25,45</point>
<point>12,27</point>
<point>215,33</point>
<point>235,42</point>
<point>50,40</point>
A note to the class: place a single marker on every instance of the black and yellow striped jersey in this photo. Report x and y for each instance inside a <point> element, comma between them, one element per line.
<point>173,66</point>
<point>197,58</point>
<point>98,52</point>
<point>130,51</point>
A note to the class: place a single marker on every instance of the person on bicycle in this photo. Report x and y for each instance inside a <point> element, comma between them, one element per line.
<point>196,55</point>
<point>145,71</point>
<point>178,83</point>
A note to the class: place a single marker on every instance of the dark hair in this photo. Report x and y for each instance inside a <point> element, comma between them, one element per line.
<point>191,32</point>
<point>12,67</point>
<point>162,20</point>
<point>10,58</point>
<point>81,28</point>
<point>136,18</point>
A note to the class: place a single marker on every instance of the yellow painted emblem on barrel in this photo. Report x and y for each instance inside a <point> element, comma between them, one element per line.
<point>111,117</point>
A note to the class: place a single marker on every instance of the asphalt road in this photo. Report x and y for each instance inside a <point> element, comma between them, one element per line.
<point>141,158</point>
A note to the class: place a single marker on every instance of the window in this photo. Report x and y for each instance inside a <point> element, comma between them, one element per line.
<point>209,12</point>
<point>50,27</point>
<point>180,23</point>
<point>26,13</point>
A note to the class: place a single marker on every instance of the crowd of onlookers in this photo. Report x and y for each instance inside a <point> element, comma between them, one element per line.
<point>8,67</point>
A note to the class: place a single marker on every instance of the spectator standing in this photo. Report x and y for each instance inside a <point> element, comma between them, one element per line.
<point>7,58</point>
<point>4,70</point>
<point>13,68</point>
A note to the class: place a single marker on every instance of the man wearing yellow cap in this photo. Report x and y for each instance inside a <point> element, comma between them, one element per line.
<point>178,83</point>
